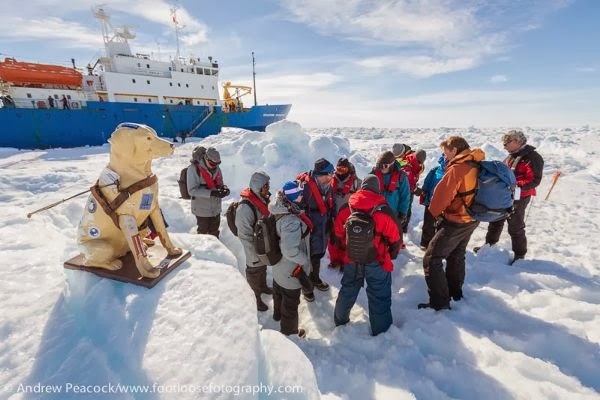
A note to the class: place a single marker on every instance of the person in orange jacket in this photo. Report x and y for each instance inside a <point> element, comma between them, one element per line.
<point>454,224</point>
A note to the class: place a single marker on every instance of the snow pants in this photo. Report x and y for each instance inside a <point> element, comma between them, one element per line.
<point>379,295</point>
<point>209,225</point>
<point>285,308</point>
<point>428,230</point>
<point>516,228</point>
<point>449,243</point>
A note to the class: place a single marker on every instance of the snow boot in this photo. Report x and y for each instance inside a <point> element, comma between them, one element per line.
<point>422,306</point>
<point>260,305</point>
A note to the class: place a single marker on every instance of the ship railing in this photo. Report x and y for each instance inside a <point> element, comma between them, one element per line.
<point>203,118</point>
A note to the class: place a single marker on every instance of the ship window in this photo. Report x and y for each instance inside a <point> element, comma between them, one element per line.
<point>149,100</point>
<point>202,86</point>
<point>186,85</point>
<point>198,102</point>
<point>69,96</point>
<point>139,65</point>
<point>213,88</point>
<point>147,65</point>
<point>171,101</point>
<point>135,99</point>
<point>170,83</point>
<point>199,71</point>
<point>181,69</point>
<point>133,80</point>
<point>206,71</point>
<point>148,82</point>
<point>28,95</point>
<point>179,84</point>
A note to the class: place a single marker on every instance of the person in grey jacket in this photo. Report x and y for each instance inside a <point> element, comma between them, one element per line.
<point>252,206</point>
<point>293,228</point>
<point>206,188</point>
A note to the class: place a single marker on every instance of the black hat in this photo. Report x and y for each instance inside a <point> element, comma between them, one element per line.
<point>322,167</point>
<point>344,162</point>
<point>371,182</point>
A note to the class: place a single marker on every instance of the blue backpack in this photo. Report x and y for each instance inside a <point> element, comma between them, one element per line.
<point>494,193</point>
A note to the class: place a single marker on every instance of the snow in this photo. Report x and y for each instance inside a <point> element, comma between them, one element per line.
<point>531,330</point>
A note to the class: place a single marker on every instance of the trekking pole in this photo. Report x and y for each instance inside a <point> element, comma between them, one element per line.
<point>554,180</point>
<point>529,209</point>
<point>63,200</point>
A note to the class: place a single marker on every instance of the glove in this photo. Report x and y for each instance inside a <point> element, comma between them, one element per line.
<point>394,249</point>
<point>401,219</point>
<point>438,222</point>
<point>418,191</point>
<point>225,190</point>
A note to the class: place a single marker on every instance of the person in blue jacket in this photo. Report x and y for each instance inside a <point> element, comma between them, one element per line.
<point>394,185</point>
<point>434,176</point>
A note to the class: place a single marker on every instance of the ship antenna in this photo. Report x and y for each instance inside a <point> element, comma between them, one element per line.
<point>178,27</point>
<point>105,22</point>
<point>253,78</point>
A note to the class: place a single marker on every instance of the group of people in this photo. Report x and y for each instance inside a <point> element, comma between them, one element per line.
<point>314,210</point>
<point>64,101</point>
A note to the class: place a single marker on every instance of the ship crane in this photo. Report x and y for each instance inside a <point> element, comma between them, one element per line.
<point>233,103</point>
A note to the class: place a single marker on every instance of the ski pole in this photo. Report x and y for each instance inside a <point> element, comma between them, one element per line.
<point>554,180</point>
<point>63,200</point>
<point>529,209</point>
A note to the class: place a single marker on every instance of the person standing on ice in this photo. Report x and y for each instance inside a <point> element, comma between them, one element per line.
<point>454,224</point>
<point>377,272</point>
<point>252,206</point>
<point>434,176</point>
<point>290,274</point>
<point>344,183</point>
<point>528,167</point>
<point>206,188</point>
<point>318,204</point>
<point>393,185</point>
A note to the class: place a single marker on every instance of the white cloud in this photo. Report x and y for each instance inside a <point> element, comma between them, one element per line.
<point>586,69</point>
<point>498,79</point>
<point>448,35</point>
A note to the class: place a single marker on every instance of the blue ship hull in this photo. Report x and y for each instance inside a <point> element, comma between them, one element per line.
<point>92,125</point>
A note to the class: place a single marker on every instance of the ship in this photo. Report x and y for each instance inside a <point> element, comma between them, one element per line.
<point>49,106</point>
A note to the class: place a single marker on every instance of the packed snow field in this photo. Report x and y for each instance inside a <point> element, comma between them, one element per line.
<point>527,331</point>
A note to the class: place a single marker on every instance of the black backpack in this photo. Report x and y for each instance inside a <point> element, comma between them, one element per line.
<point>231,212</point>
<point>197,154</point>
<point>360,235</point>
<point>183,189</point>
<point>266,240</point>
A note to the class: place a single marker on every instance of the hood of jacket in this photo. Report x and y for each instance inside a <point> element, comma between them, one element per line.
<point>257,181</point>
<point>365,200</point>
<point>468,155</point>
<point>280,204</point>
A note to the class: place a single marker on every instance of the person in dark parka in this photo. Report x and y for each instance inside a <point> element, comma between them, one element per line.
<point>528,167</point>
<point>318,204</point>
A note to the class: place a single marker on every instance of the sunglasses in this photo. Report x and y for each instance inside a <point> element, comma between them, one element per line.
<point>386,165</point>
<point>212,163</point>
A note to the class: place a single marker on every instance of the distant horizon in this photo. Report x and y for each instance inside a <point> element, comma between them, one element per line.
<point>361,63</point>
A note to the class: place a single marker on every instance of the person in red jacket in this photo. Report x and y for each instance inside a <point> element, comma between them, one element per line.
<point>378,274</point>
<point>528,167</point>
<point>413,164</point>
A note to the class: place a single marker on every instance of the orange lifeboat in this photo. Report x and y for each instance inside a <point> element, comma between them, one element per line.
<point>23,73</point>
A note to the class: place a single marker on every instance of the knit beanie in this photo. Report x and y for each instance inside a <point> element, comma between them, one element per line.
<point>371,182</point>
<point>387,157</point>
<point>398,149</point>
<point>291,190</point>
<point>322,167</point>
<point>421,156</point>
<point>344,162</point>
<point>213,155</point>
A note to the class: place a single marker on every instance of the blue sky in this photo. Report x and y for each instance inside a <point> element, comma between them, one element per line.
<point>401,63</point>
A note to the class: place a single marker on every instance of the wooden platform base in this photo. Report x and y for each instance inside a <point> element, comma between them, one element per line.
<point>129,273</point>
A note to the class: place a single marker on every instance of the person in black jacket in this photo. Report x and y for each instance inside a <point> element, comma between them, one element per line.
<point>528,166</point>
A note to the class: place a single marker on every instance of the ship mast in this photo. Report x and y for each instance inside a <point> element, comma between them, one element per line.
<point>253,78</point>
<point>178,27</point>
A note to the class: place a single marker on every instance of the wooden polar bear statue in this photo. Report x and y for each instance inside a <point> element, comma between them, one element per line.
<point>125,195</point>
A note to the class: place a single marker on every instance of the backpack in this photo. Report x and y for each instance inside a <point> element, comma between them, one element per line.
<point>197,155</point>
<point>494,193</point>
<point>231,212</point>
<point>266,240</point>
<point>360,236</point>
